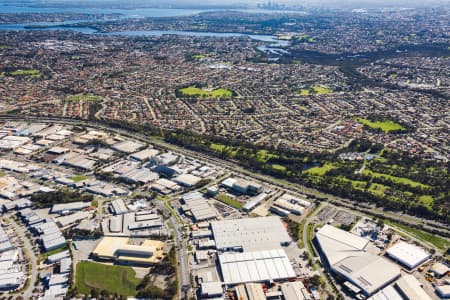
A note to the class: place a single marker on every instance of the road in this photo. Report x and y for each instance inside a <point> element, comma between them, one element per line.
<point>305,237</point>
<point>182,253</point>
<point>28,247</point>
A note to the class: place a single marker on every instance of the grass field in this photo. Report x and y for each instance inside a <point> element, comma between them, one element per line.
<point>385,126</point>
<point>199,56</point>
<point>79,178</point>
<point>229,201</point>
<point>264,155</point>
<point>395,179</point>
<point>32,73</point>
<point>83,97</point>
<point>320,171</point>
<point>279,167</point>
<point>315,90</point>
<point>193,91</point>
<point>43,256</point>
<point>427,200</point>
<point>115,279</point>
<point>439,242</point>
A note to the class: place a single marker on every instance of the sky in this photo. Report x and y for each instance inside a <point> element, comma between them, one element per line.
<point>306,3</point>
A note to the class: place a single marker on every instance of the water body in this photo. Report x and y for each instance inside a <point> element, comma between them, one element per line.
<point>126,13</point>
<point>274,45</point>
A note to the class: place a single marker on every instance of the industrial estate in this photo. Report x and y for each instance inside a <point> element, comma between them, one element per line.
<point>264,151</point>
<point>90,211</point>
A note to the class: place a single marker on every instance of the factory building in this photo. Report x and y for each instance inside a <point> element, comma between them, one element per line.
<point>345,254</point>
<point>251,234</point>
<point>120,249</point>
<point>408,255</point>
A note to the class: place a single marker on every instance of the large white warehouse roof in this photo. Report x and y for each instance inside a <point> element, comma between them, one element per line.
<point>255,266</point>
<point>407,254</point>
<point>250,234</point>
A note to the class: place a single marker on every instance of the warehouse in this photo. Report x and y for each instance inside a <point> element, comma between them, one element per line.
<point>439,269</point>
<point>187,180</point>
<point>127,146</point>
<point>250,291</point>
<point>118,207</point>
<point>120,249</point>
<point>197,207</point>
<point>145,155</point>
<point>253,202</point>
<point>71,219</point>
<point>250,234</point>
<point>211,289</point>
<point>139,175</point>
<point>66,208</point>
<point>345,253</point>
<point>255,266</point>
<point>11,280</point>
<point>410,288</point>
<point>408,255</point>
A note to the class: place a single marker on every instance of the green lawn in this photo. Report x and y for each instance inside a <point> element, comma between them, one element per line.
<point>427,200</point>
<point>217,147</point>
<point>385,126</point>
<point>315,90</point>
<point>377,189</point>
<point>229,201</point>
<point>439,242</point>
<point>32,73</point>
<point>83,97</point>
<point>193,91</point>
<point>320,171</point>
<point>279,167</point>
<point>401,180</point>
<point>305,38</point>
<point>44,255</point>
<point>199,56</point>
<point>264,155</point>
<point>115,279</point>
<point>79,178</point>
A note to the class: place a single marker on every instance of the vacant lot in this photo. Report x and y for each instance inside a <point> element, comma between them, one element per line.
<point>115,279</point>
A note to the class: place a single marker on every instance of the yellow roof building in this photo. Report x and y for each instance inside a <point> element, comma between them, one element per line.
<point>120,249</point>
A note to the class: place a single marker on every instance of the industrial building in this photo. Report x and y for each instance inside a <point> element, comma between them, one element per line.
<point>120,249</point>
<point>408,255</point>
<point>250,234</point>
<point>211,289</point>
<point>187,180</point>
<point>410,288</point>
<point>118,207</point>
<point>250,291</point>
<point>439,269</point>
<point>127,146</point>
<point>241,186</point>
<point>196,206</point>
<point>289,204</point>
<point>145,154</point>
<point>67,208</point>
<point>255,266</point>
<point>345,253</point>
